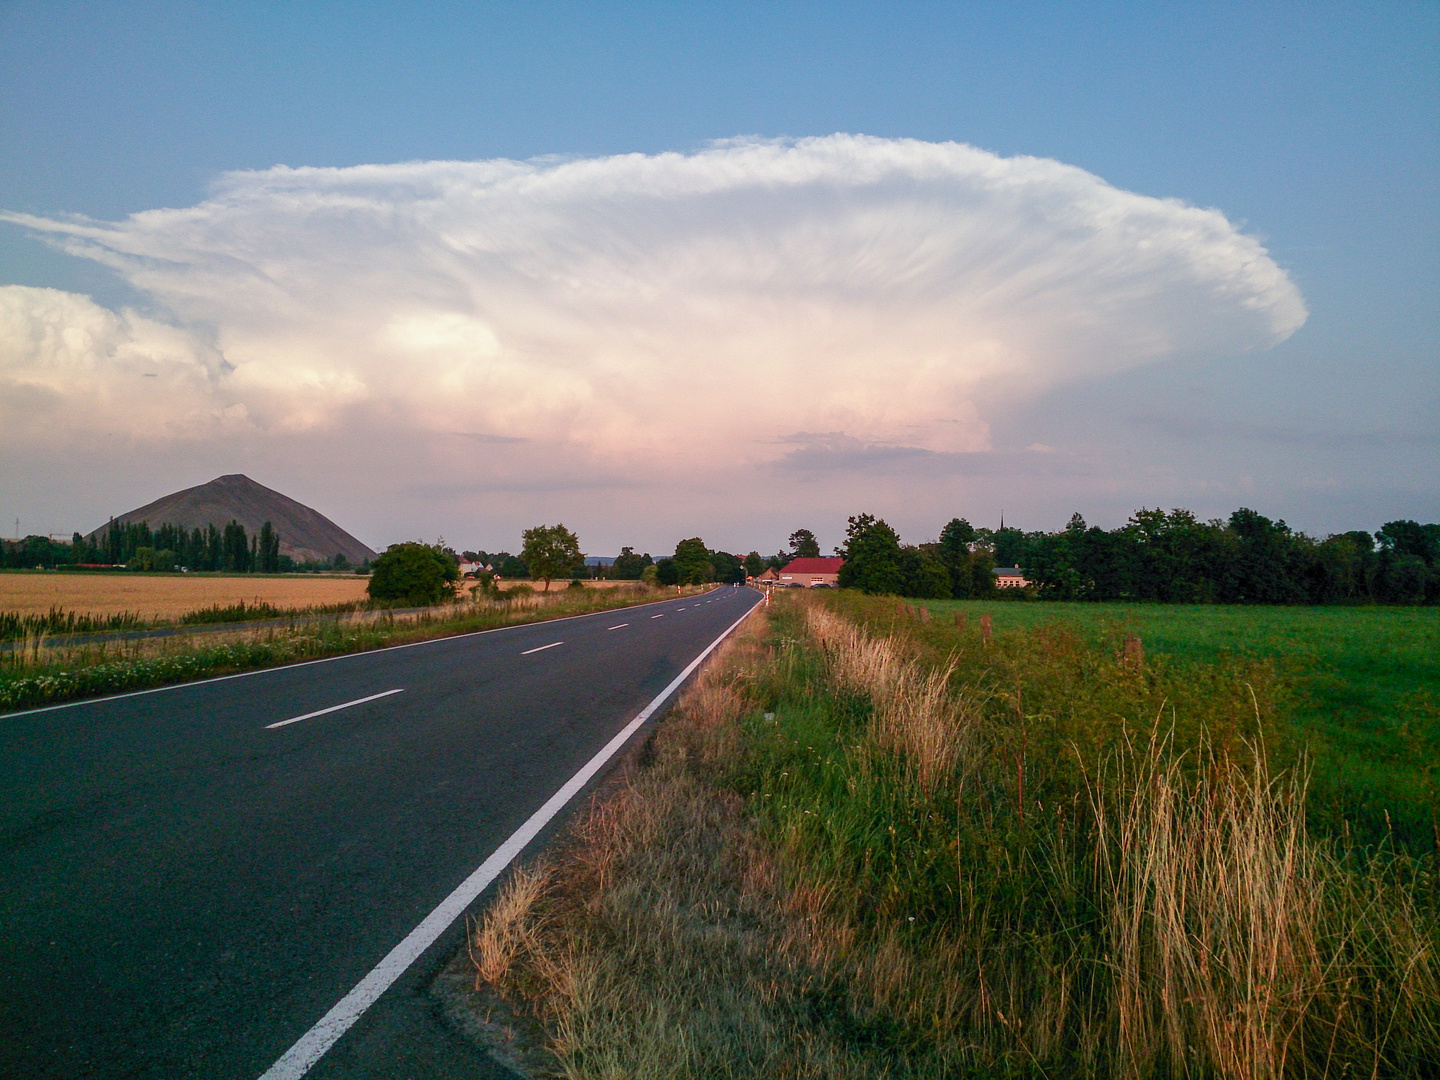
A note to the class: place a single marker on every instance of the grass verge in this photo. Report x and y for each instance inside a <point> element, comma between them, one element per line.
<point>850,857</point>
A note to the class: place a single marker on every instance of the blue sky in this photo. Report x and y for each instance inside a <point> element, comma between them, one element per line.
<point>1314,129</point>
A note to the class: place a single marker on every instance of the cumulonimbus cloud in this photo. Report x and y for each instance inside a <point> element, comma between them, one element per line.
<point>676,309</point>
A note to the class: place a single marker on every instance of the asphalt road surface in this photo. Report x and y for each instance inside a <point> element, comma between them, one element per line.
<point>188,884</point>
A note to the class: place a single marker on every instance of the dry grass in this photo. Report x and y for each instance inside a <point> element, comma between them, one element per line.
<point>838,864</point>
<point>168,597</point>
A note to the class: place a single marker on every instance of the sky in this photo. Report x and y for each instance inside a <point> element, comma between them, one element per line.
<point>724,270</point>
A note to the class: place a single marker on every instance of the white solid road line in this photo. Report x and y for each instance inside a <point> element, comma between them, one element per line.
<point>311,1047</point>
<point>542,648</point>
<point>619,627</point>
<point>333,708</point>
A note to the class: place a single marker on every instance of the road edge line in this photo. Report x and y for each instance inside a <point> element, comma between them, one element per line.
<point>326,1032</point>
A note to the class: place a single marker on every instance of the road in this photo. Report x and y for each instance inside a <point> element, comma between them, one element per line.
<point>188,883</point>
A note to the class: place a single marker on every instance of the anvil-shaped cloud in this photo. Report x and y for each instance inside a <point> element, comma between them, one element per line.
<point>676,311</point>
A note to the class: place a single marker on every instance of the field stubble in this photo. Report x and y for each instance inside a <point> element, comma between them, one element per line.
<point>168,597</point>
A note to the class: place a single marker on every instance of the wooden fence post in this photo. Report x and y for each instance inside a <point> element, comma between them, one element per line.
<point>985,634</point>
<point>1134,652</point>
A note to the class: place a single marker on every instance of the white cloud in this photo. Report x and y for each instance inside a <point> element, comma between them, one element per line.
<point>70,367</point>
<point>609,325</point>
<point>678,309</point>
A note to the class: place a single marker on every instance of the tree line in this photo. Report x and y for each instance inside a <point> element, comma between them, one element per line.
<point>692,563</point>
<point>1155,556</point>
<point>136,546</point>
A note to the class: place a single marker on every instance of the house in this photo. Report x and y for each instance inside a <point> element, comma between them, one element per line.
<point>1010,577</point>
<point>823,573</point>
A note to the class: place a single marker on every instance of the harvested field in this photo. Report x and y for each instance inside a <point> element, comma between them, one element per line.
<point>168,596</point>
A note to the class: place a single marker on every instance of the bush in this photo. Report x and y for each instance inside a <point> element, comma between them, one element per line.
<point>576,585</point>
<point>414,573</point>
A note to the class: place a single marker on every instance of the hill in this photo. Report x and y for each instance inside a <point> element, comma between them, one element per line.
<point>306,535</point>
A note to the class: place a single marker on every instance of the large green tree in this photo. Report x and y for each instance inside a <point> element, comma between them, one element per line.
<point>692,562</point>
<point>872,556</point>
<point>413,572</point>
<point>550,551</point>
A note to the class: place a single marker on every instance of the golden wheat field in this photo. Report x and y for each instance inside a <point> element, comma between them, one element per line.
<point>167,596</point>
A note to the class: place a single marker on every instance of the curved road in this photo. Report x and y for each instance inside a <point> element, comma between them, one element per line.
<point>189,883</point>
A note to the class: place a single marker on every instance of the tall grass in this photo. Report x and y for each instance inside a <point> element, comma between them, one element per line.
<point>851,858</point>
<point>15,626</point>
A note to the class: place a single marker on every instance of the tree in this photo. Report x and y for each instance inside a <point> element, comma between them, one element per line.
<point>1009,543</point>
<point>666,572</point>
<point>692,562</point>
<point>872,556</point>
<point>550,551</point>
<point>236,548</point>
<point>803,545</point>
<point>727,568</point>
<point>629,566</point>
<point>413,572</point>
<point>754,564</point>
<point>922,573</point>
<point>269,550</point>
<point>955,540</point>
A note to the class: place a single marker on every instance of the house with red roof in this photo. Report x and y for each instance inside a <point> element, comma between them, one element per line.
<point>822,573</point>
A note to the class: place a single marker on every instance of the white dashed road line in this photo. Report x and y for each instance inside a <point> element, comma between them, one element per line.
<point>542,648</point>
<point>660,616</point>
<point>621,626</point>
<point>333,708</point>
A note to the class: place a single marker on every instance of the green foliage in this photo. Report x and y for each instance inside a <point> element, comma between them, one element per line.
<point>575,586</point>
<point>1175,558</point>
<point>924,575</point>
<point>268,551</point>
<point>803,545</point>
<point>726,568</point>
<point>234,613</point>
<point>550,551</point>
<point>629,566</point>
<point>413,573</point>
<point>147,558</point>
<point>754,564</point>
<point>692,562</point>
<point>872,557</point>
<point>15,626</point>
<point>666,572</point>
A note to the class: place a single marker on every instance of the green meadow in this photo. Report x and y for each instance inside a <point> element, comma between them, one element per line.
<point>1357,689</point>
